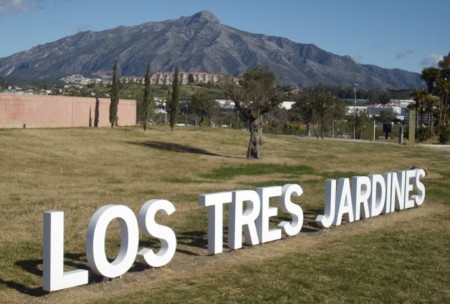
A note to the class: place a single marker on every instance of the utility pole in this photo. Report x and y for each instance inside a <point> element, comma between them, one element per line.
<point>354,111</point>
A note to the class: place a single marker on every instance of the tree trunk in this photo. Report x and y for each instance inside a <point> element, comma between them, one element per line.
<point>90,118</point>
<point>309,129</point>
<point>430,120</point>
<point>445,111</point>
<point>315,127</point>
<point>254,150</point>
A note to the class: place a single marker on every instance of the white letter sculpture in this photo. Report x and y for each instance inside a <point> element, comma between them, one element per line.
<point>243,220</point>
<point>326,220</point>
<point>291,228</point>
<point>53,269</point>
<point>95,240</point>
<point>266,234</point>
<point>215,202</point>
<point>166,235</point>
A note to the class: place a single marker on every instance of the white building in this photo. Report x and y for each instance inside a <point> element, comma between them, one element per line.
<point>398,107</point>
<point>359,109</point>
<point>225,104</point>
<point>287,105</point>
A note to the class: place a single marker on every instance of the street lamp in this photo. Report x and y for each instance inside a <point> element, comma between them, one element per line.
<point>354,111</point>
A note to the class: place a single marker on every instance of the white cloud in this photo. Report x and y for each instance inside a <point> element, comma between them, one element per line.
<point>11,5</point>
<point>19,5</point>
<point>403,54</point>
<point>432,60</point>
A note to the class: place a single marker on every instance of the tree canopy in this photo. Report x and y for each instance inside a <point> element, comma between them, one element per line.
<point>318,110</point>
<point>203,105</point>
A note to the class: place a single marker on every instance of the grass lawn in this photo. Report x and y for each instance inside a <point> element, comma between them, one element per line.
<point>399,257</point>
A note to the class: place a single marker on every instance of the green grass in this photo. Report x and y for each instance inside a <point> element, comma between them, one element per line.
<point>393,258</point>
<point>229,172</point>
<point>347,271</point>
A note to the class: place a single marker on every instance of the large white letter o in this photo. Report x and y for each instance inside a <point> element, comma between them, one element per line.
<point>95,240</point>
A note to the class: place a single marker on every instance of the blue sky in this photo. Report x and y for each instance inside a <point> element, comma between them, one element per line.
<point>405,34</point>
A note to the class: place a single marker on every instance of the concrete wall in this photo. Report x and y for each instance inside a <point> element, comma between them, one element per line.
<point>44,111</point>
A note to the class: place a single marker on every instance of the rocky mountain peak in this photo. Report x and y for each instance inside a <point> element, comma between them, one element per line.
<point>204,16</point>
<point>198,43</point>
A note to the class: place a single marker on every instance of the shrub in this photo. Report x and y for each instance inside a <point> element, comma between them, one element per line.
<point>423,134</point>
<point>406,132</point>
<point>443,135</point>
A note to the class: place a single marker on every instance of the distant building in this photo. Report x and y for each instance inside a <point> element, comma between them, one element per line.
<point>166,78</point>
<point>225,104</point>
<point>287,105</point>
<point>158,78</point>
<point>396,107</point>
<point>296,91</point>
<point>350,110</point>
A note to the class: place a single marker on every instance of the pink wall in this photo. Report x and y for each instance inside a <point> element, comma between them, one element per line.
<point>44,111</point>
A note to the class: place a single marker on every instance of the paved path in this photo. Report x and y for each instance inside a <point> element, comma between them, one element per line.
<point>439,147</point>
<point>445,148</point>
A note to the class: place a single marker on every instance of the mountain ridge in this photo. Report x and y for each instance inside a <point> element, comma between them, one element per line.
<point>197,43</point>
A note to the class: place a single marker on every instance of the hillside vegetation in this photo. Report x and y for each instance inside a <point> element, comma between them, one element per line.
<point>399,257</point>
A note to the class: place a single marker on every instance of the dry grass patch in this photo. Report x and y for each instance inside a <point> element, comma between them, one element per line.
<point>80,170</point>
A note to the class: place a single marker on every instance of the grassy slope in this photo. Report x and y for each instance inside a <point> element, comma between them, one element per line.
<point>392,258</point>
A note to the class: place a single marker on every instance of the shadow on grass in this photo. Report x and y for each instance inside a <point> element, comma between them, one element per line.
<point>309,220</point>
<point>193,239</point>
<point>34,292</point>
<point>198,239</point>
<point>172,147</point>
<point>75,260</point>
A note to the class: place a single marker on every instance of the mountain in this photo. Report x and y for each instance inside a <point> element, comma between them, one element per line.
<point>199,43</point>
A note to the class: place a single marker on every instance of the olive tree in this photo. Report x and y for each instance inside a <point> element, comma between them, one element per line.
<point>255,95</point>
<point>318,110</point>
<point>203,105</point>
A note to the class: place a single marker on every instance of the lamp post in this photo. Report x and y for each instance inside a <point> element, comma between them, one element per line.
<point>354,111</point>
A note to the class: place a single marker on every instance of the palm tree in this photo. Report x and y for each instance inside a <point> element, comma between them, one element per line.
<point>445,62</point>
<point>430,76</point>
<point>429,103</point>
<point>417,95</point>
<point>443,89</point>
